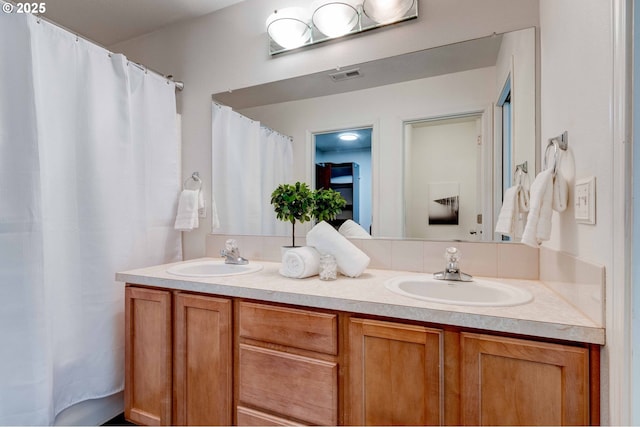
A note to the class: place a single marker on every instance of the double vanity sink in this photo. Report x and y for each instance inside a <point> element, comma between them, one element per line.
<point>479,292</point>
<point>449,339</point>
<point>525,307</point>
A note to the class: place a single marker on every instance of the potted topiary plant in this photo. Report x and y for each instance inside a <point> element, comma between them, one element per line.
<point>293,202</point>
<point>327,204</point>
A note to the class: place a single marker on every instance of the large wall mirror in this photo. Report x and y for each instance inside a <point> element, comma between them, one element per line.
<point>448,126</point>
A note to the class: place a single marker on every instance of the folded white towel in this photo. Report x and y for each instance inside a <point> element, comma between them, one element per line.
<point>509,212</point>
<point>326,239</point>
<point>538,226</point>
<point>300,262</point>
<point>514,208</point>
<point>560,193</point>
<point>187,216</point>
<point>352,230</point>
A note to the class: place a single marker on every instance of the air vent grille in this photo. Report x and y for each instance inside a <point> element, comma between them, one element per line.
<point>346,75</point>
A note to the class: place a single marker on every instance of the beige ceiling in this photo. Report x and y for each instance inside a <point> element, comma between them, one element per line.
<point>111,21</point>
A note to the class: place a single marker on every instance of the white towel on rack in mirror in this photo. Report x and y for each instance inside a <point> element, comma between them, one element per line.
<point>187,216</point>
<point>538,227</point>
<point>513,212</point>
<point>509,211</point>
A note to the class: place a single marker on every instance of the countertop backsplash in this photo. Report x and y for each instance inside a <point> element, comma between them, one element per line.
<point>510,260</point>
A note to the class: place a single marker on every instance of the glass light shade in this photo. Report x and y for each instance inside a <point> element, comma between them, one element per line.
<point>386,11</point>
<point>335,18</point>
<point>289,27</point>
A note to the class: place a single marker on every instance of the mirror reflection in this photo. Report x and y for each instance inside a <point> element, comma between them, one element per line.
<point>488,83</point>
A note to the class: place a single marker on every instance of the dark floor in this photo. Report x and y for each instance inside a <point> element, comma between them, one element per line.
<point>118,421</point>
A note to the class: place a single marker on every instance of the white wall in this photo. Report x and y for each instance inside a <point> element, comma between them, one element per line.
<point>576,46</point>
<point>424,98</point>
<point>228,50</point>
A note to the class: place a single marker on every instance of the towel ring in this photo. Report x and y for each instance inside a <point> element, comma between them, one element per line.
<point>195,177</point>
<point>560,142</point>
<point>520,176</point>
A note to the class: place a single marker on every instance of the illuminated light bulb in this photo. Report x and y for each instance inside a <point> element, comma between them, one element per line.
<point>289,27</point>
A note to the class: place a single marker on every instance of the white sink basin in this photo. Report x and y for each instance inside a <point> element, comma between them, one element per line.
<point>479,292</point>
<point>212,268</point>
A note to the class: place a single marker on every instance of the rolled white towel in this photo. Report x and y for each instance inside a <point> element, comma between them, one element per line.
<point>187,216</point>
<point>352,230</point>
<point>301,262</point>
<point>326,239</point>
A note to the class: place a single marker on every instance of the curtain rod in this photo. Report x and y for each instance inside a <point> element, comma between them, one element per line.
<point>178,84</point>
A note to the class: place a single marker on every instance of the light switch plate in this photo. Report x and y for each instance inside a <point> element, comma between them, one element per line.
<point>585,200</point>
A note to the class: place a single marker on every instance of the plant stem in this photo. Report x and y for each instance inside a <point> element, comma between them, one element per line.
<point>293,234</point>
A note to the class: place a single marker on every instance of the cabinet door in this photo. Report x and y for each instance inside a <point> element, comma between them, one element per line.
<point>148,356</point>
<point>394,374</point>
<point>515,382</point>
<point>203,360</point>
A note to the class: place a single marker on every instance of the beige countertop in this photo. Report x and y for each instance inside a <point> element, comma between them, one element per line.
<point>547,316</point>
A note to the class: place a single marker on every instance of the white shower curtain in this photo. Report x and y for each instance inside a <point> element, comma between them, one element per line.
<point>88,186</point>
<point>249,162</point>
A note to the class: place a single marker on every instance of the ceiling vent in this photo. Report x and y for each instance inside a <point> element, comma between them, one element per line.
<point>346,75</point>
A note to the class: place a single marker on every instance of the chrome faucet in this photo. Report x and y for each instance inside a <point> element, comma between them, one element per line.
<point>231,253</point>
<point>452,270</point>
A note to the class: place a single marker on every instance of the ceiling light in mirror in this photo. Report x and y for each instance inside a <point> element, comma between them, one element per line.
<point>386,11</point>
<point>289,27</point>
<point>348,136</point>
<point>335,18</point>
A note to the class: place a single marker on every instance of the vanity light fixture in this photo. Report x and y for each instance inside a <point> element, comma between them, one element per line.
<point>335,18</point>
<point>289,27</point>
<point>385,11</point>
<point>293,27</point>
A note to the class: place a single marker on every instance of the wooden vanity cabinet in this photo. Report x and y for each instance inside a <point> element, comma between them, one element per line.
<point>395,375</point>
<point>197,359</point>
<point>178,358</point>
<point>148,356</point>
<point>203,354</point>
<point>287,366</point>
<point>508,381</point>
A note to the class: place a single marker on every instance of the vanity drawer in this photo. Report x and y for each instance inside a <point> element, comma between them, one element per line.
<point>307,330</point>
<point>251,417</point>
<point>291,385</point>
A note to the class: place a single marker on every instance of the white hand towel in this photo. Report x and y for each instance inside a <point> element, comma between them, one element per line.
<point>301,262</point>
<point>538,226</point>
<point>509,211</point>
<point>352,230</point>
<point>187,216</point>
<point>560,193</point>
<point>326,239</point>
